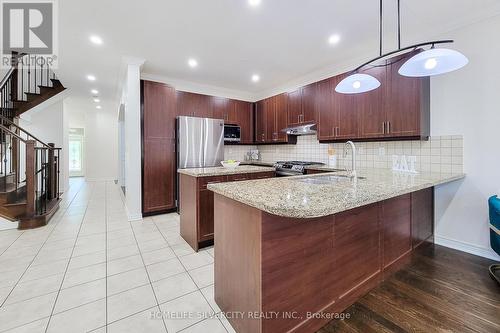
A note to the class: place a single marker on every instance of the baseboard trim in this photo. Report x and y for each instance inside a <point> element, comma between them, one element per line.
<point>466,247</point>
<point>134,217</point>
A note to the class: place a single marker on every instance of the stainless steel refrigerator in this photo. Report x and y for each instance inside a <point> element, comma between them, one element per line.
<point>200,143</point>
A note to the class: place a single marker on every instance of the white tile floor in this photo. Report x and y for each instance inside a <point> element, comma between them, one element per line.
<point>91,270</point>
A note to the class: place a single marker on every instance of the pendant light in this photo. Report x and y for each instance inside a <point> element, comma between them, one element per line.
<point>358,83</point>
<point>433,61</point>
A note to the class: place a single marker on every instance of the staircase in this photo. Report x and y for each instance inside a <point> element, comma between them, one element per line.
<point>29,167</point>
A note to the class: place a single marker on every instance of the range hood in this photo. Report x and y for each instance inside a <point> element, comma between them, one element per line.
<point>308,129</point>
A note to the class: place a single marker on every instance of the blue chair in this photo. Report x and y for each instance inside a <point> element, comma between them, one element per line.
<point>494,205</point>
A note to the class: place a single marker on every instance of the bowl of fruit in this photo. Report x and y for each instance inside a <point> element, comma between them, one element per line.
<point>230,164</point>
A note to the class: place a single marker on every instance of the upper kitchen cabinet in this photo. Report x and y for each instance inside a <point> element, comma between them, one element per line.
<point>224,108</point>
<point>194,105</point>
<point>301,105</point>
<point>294,105</point>
<point>243,112</point>
<point>399,108</point>
<point>407,103</point>
<point>335,115</point>
<point>370,106</point>
<point>271,119</point>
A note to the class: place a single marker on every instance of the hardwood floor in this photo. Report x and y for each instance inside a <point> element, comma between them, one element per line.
<point>441,290</point>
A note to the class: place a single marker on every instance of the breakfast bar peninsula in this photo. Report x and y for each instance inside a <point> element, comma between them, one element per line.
<point>292,253</point>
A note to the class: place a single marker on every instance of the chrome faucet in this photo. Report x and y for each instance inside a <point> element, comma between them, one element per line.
<point>350,144</point>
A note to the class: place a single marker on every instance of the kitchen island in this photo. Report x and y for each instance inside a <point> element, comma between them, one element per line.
<point>292,253</point>
<point>196,202</point>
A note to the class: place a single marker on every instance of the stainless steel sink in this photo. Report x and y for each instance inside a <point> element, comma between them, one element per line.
<point>327,179</point>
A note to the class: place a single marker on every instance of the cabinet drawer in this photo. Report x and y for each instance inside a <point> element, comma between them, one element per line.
<point>240,177</point>
<point>204,181</point>
<point>262,175</point>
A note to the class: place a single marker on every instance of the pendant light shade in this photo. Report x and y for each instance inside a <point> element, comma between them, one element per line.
<point>433,62</point>
<point>357,83</point>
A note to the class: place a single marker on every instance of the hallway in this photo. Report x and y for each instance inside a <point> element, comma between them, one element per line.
<point>91,270</point>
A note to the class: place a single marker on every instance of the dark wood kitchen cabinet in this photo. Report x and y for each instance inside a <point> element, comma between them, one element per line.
<point>398,109</point>
<point>194,105</point>
<point>197,205</point>
<point>407,103</point>
<point>336,118</point>
<point>224,108</point>
<point>260,121</point>
<point>370,106</point>
<point>158,110</point>
<point>244,118</point>
<point>302,105</point>
<point>271,119</point>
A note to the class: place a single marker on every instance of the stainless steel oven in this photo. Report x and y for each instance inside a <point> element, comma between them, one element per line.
<point>232,133</point>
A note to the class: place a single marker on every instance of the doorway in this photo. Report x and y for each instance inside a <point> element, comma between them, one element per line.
<point>76,152</point>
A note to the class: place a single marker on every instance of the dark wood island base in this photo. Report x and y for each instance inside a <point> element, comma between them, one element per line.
<point>277,274</point>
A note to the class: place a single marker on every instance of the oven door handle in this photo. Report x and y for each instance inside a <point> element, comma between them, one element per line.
<point>285,173</point>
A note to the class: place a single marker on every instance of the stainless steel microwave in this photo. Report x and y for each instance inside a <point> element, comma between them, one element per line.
<point>232,133</point>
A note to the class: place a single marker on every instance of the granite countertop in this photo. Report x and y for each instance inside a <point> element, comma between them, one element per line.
<point>221,171</point>
<point>299,197</point>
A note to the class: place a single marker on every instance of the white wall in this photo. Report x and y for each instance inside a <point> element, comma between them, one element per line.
<point>47,123</point>
<point>467,102</point>
<point>101,145</point>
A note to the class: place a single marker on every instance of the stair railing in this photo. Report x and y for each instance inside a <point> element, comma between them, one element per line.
<point>42,169</point>
<point>28,75</point>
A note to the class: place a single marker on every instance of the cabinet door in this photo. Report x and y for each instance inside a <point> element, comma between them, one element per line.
<point>230,116</point>
<point>356,248</point>
<point>243,111</point>
<point>260,122</point>
<point>206,215</point>
<point>219,106</point>
<point>309,96</point>
<point>158,147</point>
<point>281,117</point>
<point>294,107</point>
<point>403,101</point>
<point>369,106</point>
<point>347,125</point>
<point>193,105</point>
<point>396,224</point>
<point>270,119</point>
<point>326,113</point>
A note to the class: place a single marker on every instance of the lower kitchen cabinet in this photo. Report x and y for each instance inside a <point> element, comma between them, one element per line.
<point>196,203</point>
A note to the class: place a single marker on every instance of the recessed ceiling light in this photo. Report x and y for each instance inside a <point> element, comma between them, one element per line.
<point>254,3</point>
<point>91,77</point>
<point>94,92</point>
<point>192,63</point>
<point>96,40</point>
<point>334,39</point>
<point>255,78</point>
<point>97,100</point>
<point>98,107</point>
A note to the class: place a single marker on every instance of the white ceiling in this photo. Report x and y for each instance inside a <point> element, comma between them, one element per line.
<point>284,41</point>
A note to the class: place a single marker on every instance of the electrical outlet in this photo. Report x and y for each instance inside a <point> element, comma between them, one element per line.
<point>381,151</point>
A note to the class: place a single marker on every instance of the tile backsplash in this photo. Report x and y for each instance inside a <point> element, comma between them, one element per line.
<point>438,154</point>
